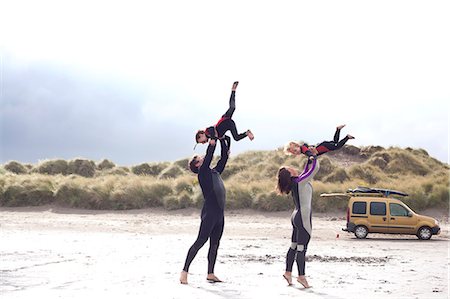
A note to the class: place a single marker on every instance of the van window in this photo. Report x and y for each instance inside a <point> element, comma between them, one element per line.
<point>397,210</point>
<point>359,207</point>
<point>378,208</point>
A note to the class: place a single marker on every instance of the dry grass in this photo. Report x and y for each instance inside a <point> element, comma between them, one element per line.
<point>250,179</point>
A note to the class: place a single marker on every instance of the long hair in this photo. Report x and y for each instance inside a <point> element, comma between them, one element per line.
<point>284,181</point>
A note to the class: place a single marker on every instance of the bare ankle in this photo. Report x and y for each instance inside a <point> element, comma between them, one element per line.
<point>183,277</point>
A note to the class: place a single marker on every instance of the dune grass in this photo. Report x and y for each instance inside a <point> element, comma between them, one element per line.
<point>250,180</point>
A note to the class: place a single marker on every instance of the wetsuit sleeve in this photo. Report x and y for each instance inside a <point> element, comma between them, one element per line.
<point>309,169</point>
<point>305,150</point>
<point>210,133</point>
<point>208,158</point>
<point>224,144</point>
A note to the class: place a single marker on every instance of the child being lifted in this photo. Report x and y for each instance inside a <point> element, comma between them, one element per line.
<point>295,148</point>
<point>225,123</point>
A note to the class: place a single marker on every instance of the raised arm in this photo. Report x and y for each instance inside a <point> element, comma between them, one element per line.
<point>308,171</point>
<point>225,146</point>
<point>209,155</point>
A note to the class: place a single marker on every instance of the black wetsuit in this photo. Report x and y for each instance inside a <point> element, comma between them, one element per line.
<point>301,217</point>
<point>325,146</point>
<point>226,123</point>
<point>212,215</point>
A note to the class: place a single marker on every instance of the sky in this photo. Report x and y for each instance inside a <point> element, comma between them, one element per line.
<point>132,81</point>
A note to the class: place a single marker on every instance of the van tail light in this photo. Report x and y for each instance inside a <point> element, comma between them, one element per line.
<point>348,214</point>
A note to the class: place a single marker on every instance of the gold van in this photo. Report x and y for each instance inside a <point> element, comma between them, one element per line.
<point>373,210</point>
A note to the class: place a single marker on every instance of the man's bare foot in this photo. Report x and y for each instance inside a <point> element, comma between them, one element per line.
<point>288,277</point>
<point>212,278</point>
<point>183,277</point>
<point>250,135</point>
<point>350,136</point>
<point>302,280</point>
<point>235,84</point>
<point>340,127</point>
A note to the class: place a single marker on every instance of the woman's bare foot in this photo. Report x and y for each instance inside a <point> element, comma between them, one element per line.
<point>340,127</point>
<point>288,277</point>
<point>235,84</point>
<point>213,278</point>
<point>183,277</point>
<point>250,135</point>
<point>350,136</point>
<point>302,280</point>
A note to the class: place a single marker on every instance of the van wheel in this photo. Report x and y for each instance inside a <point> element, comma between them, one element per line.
<point>424,233</point>
<point>361,232</point>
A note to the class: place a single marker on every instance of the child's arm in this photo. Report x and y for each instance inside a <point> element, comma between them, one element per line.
<point>211,132</point>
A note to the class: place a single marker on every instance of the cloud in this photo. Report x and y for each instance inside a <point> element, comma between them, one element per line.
<point>50,112</point>
<point>133,82</point>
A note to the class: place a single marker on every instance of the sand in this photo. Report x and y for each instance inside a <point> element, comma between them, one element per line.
<point>52,252</point>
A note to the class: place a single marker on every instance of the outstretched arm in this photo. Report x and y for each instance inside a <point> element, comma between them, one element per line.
<point>307,172</point>
<point>209,155</point>
<point>225,147</point>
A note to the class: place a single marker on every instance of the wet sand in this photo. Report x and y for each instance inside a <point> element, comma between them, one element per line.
<point>52,252</point>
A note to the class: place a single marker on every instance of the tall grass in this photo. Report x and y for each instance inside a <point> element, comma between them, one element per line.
<point>15,167</point>
<point>250,180</point>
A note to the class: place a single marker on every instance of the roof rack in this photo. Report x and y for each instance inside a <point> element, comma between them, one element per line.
<point>375,191</point>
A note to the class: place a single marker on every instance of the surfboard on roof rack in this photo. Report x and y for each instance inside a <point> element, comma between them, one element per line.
<point>384,192</point>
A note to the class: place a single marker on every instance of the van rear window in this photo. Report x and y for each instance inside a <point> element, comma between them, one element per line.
<point>378,208</point>
<point>359,207</point>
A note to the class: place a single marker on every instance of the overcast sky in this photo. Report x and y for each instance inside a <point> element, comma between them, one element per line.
<point>132,81</point>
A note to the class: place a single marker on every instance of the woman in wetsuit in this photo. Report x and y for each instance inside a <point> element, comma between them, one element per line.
<point>289,181</point>
<point>225,123</point>
<point>212,215</point>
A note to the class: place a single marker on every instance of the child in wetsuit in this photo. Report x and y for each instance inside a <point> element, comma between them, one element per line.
<point>322,148</point>
<point>225,123</point>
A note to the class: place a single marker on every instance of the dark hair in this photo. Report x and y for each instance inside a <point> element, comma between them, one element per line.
<point>192,163</point>
<point>197,135</point>
<point>284,181</point>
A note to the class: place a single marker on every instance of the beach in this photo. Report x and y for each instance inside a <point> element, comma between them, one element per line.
<point>53,252</point>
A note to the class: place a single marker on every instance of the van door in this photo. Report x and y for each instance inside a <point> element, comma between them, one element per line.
<point>401,220</point>
<point>378,219</point>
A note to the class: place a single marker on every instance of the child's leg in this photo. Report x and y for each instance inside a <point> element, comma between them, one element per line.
<point>342,142</point>
<point>230,110</point>
<point>231,126</point>
<point>336,135</point>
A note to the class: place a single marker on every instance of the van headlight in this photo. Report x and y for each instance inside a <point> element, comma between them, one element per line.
<point>436,222</point>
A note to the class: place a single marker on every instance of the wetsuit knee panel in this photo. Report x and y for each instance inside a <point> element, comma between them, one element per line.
<point>301,247</point>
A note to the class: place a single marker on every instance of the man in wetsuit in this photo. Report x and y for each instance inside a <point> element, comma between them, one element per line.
<point>212,216</point>
<point>225,123</point>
